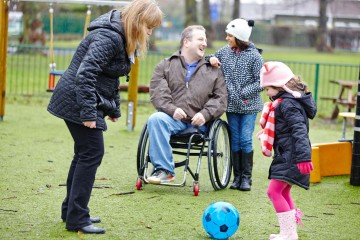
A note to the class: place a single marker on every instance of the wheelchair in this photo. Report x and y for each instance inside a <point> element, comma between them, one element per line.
<point>215,144</point>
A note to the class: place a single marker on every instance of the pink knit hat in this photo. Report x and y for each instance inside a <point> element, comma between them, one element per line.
<point>277,74</point>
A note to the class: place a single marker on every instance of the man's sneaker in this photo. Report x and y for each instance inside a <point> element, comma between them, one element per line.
<point>161,176</point>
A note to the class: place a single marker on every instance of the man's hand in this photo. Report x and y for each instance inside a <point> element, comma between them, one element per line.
<point>179,114</point>
<point>198,120</point>
<point>214,61</point>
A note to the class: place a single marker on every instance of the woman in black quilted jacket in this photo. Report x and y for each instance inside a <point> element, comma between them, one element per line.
<point>88,92</point>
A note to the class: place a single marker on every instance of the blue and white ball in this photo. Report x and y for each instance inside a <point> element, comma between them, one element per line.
<point>221,220</point>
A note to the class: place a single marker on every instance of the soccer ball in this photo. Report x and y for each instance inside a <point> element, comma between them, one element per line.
<point>221,220</point>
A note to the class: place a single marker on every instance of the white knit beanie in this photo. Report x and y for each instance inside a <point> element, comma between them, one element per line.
<point>240,29</point>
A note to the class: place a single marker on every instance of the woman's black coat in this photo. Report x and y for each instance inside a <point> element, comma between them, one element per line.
<point>291,144</point>
<point>97,64</point>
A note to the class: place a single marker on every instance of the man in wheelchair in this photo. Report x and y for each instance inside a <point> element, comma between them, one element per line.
<point>186,92</point>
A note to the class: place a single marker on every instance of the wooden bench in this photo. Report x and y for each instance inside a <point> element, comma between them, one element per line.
<point>348,101</point>
<point>345,116</point>
<point>333,99</point>
<point>141,88</point>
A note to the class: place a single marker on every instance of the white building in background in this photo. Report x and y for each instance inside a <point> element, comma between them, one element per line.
<point>15,27</point>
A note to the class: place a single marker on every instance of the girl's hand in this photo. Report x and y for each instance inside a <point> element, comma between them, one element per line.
<point>214,61</point>
<point>305,167</point>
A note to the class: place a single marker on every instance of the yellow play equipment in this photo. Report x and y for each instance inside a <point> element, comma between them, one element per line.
<point>53,71</point>
<point>331,159</point>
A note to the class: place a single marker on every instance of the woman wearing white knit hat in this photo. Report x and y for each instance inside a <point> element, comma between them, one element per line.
<point>285,129</point>
<point>241,62</point>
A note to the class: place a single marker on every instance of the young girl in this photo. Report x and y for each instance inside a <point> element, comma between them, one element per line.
<point>285,129</point>
<point>241,62</point>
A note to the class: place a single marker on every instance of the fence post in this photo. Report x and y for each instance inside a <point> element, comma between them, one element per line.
<point>316,87</point>
<point>4,20</point>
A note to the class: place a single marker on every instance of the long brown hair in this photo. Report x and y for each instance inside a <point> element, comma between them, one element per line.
<point>241,44</point>
<point>295,84</point>
<point>136,17</point>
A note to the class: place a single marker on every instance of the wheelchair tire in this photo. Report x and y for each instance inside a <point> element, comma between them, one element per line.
<point>219,155</point>
<point>142,151</point>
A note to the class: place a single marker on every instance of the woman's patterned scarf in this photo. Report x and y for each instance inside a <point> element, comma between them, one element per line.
<point>267,123</point>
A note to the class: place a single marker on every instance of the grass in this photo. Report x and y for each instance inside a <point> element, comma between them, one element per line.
<point>36,150</point>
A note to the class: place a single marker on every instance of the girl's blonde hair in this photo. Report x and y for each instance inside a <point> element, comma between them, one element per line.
<point>136,17</point>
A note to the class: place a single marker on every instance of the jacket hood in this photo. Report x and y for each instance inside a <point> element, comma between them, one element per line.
<point>110,20</point>
<point>306,101</point>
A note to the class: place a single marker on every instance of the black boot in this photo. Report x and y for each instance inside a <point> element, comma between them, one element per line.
<point>247,164</point>
<point>236,159</point>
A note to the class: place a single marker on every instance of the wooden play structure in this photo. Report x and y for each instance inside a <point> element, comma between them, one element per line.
<point>330,159</point>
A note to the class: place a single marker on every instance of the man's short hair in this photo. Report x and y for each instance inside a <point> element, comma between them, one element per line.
<point>188,32</point>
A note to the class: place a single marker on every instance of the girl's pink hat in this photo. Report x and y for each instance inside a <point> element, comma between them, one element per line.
<point>277,74</point>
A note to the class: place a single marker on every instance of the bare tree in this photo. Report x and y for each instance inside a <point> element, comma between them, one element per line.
<point>30,11</point>
<point>321,43</point>
<point>190,12</point>
<point>207,23</point>
<point>236,9</point>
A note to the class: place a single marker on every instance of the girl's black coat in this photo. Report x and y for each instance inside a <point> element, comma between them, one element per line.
<point>97,64</point>
<point>291,144</point>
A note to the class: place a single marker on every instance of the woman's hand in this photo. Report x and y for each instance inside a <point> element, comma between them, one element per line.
<point>90,124</point>
<point>113,119</point>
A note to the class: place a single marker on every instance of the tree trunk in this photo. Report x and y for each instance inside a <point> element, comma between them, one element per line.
<point>236,9</point>
<point>207,23</point>
<point>321,45</point>
<point>190,12</point>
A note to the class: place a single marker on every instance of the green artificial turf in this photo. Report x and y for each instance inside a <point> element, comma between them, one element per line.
<point>36,150</point>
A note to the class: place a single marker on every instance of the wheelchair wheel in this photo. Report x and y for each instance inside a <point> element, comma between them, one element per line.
<point>142,151</point>
<point>219,155</point>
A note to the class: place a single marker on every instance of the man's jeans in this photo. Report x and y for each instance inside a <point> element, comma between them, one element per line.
<point>161,126</point>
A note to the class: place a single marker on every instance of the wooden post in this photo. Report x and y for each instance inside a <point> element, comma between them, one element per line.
<point>132,95</point>
<point>4,20</point>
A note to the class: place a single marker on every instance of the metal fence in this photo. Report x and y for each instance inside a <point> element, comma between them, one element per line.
<point>28,71</point>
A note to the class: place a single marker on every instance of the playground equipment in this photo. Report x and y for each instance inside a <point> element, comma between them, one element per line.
<point>4,20</point>
<point>53,72</point>
<point>330,159</point>
<point>339,158</point>
<point>355,167</point>
<point>132,87</point>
